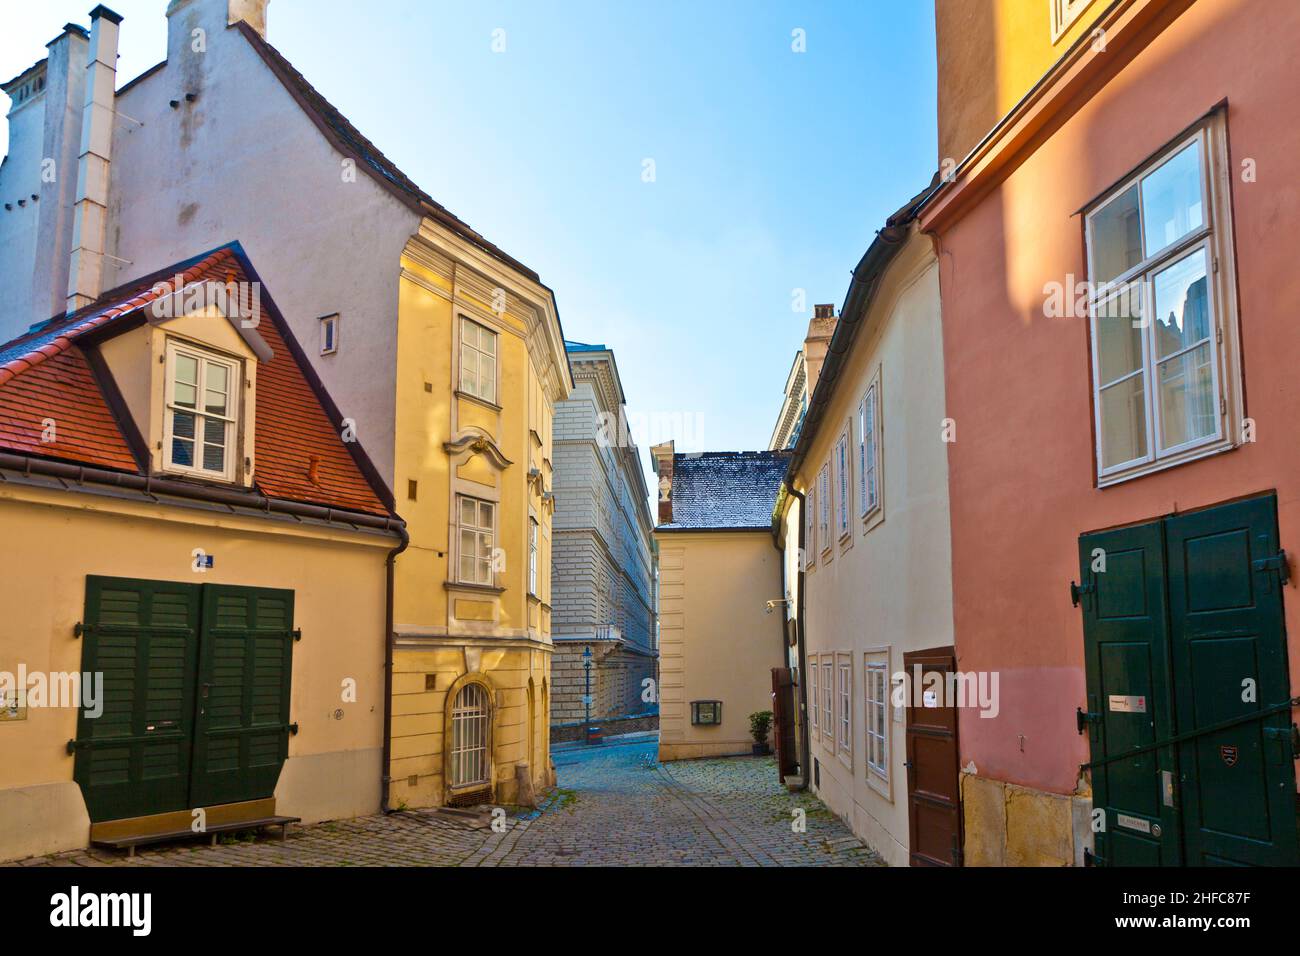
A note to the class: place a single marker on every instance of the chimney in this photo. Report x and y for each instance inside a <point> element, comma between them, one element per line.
<point>90,213</point>
<point>209,16</point>
<point>820,330</point>
<point>663,456</point>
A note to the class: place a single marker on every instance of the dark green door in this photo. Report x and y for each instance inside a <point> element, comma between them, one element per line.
<point>142,636</point>
<point>1126,644</point>
<point>241,736</point>
<point>196,695</point>
<point>1230,661</point>
<point>1184,642</point>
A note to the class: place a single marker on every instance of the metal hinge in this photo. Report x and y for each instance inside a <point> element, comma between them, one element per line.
<point>1276,563</point>
<point>1290,734</point>
<point>297,633</point>
<point>1092,859</point>
<point>1084,717</point>
<point>79,629</point>
<point>1078,590</point>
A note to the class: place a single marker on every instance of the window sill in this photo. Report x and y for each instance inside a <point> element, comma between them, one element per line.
<point>478,588</point>
<point>1184,458</point>
<point>478,401</point>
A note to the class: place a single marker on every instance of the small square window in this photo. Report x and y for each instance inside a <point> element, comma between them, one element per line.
<point>706,712</point>
<point>329,334</point>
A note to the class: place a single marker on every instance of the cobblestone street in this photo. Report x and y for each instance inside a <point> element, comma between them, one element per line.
<point>614,806</point>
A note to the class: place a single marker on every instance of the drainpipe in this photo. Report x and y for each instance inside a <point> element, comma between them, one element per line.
<point>805,765</point>
<point>90,213</point>
<point>386,776</point>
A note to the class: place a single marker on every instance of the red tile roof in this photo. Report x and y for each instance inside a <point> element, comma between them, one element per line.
<point>300,452</point>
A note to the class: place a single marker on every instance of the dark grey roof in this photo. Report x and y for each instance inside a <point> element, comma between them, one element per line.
<point>719,490</point>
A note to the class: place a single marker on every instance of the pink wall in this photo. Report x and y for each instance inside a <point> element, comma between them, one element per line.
<point>1021,472</point>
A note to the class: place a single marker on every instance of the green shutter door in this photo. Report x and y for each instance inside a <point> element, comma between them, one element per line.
<point>241,736</point>
<point>1238,783</point>
<point>1126,657</point>
<point>142,636</point>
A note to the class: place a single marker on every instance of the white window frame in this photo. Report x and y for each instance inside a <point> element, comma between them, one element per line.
<point>532,555</point>
<point>480,358</point>
<point>1064,13</point>
<point>876,690</point>
<point>828,700</point>
<point>843,481</point>
<point>844,693</point>
<point>870,499</point>
<point>814,687</point>
<point>810,527</point>
<point>479,531</point>
<point>1214,239</point>
<point>234,399</point>
<point>824,508</point>
<point>329,334</point>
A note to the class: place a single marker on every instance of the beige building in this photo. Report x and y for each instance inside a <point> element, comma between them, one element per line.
<point>869,514</point>
<point>194,588</point>
<point>718,573</point>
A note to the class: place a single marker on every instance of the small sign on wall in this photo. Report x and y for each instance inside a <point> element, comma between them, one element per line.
<point>1127,704</point>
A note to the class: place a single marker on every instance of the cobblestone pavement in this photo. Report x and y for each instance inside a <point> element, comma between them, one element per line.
<point>614,806</point>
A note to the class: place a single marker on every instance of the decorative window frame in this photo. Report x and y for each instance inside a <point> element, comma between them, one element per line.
<point>876,676</point>
<point>235,451</point>
<point>810,528</point>
<point>1215,236</point>
<point>534,546</point>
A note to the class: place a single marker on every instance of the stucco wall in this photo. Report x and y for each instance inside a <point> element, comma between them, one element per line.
<point>887,585</point>
<point>54,539</point>
<point>717,641</point>
<point>244,162</point>
<point>1018,384</point>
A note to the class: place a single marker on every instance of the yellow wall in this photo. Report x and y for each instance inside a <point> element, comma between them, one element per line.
<point>990,54</point>
<point>717,641</point>
<point>446,631</point>
<point>53,539</point>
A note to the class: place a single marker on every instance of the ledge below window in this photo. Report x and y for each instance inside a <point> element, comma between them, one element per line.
<point>477,401</point>
<point>477,588</point>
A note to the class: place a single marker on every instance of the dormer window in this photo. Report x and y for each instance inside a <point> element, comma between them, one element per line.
<point>200,433</point>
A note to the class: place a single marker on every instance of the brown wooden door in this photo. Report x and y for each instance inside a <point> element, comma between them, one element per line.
<point>787,761</point>
<point>933,795</point>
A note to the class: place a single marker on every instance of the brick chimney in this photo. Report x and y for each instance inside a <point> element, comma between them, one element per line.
<point>663,456</point>
<point>90,212</point>
<point>820,330</point>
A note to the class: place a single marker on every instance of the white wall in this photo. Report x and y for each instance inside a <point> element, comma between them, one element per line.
<point>892,587</point>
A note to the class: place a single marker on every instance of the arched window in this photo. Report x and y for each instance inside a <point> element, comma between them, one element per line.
<point>469,736</point>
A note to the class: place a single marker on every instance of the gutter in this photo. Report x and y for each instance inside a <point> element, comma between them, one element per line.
<point>386,777</point>
<point>83,474</point>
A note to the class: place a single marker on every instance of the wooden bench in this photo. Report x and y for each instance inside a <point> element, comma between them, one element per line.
<point>129,843</point>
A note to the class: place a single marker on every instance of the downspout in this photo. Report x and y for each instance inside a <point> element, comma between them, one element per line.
<point>386,768</point>
<point>805,766</point>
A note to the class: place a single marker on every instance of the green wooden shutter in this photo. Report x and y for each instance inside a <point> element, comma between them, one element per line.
<point>142,636</point>
<point>1125,630</point>
<point>241,734</point>
<point>1226,615</point>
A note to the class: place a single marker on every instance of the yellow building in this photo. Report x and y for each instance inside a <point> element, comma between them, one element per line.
<point>719,585</point>
<point>480,366</point>
<point>194,588</point>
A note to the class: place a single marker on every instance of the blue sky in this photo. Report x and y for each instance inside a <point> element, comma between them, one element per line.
<point>772,169</point>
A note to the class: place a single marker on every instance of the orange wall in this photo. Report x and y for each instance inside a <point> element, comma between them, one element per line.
<point>1021,471</point>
